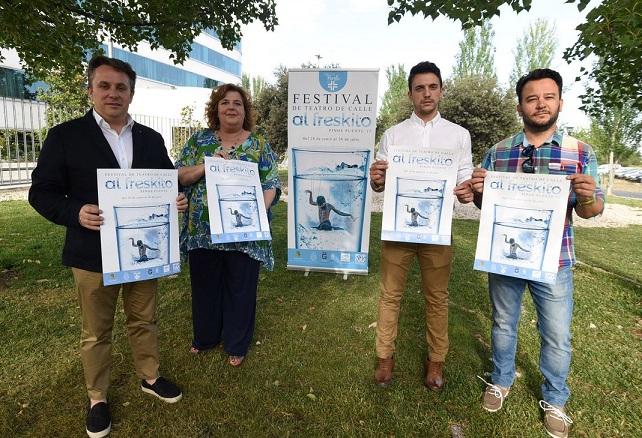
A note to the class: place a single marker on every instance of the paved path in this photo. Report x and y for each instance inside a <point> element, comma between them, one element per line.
<point>627,194</point>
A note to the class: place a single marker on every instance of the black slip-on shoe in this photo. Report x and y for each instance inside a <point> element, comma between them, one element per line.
<point>163,389</point>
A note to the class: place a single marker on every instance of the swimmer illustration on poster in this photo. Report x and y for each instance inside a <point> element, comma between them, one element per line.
<point>238,207</point>
<point>519,236</point>
<point>329,196</point>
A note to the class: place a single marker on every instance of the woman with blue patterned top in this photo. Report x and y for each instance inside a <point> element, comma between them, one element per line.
<point>224,276</point>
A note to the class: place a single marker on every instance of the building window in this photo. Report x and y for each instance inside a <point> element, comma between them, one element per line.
<point>14,84</point>
<point>215,59</point>
<point>213,34</point>
<point>157,71</point>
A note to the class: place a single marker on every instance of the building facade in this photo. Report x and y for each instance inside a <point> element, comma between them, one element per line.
<point>163,91</point>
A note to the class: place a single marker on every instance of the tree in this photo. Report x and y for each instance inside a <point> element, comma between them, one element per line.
<point>180,134</point>
<point>395,106</point>
<point>66,97</point>
<point>481,106</point>
<point>476,53</point>
<point>253,85</point>
<point>617,129</point>
<point>56,35</point>
<point>271,108</point>
<point>536,49</point>
<point>612,31</point>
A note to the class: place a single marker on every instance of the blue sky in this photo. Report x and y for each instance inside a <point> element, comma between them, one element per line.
<point>355,34</point>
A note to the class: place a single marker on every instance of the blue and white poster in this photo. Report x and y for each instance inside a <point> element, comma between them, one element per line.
<point>139,235</point>
<point>418,200</point>
<point>235,201</point>
<point>521,225</point>
<point>331,128</point>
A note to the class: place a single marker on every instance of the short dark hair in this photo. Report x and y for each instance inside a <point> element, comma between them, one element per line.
<point>535,75</point>
<point>114,63</point>
<point>424,67</point>
<point>211,108</point>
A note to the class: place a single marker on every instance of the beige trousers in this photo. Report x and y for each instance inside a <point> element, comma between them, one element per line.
<point>434,264</point>
<point>98,307</point>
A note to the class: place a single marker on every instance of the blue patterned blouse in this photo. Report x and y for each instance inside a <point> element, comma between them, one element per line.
<point>195,228</point>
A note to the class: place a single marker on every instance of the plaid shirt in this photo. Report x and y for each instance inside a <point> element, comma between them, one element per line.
<point>555,157</point>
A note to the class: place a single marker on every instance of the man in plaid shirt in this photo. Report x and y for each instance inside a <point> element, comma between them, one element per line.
<point>540,148</point>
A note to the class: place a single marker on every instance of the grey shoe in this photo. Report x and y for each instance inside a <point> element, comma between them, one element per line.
<point>493,397</point>
<point>556,422</point>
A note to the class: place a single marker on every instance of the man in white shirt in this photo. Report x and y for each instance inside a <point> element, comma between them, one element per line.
<point>427,129</point>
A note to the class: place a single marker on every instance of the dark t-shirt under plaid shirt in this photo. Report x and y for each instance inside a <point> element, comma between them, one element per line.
<point>559,155</point>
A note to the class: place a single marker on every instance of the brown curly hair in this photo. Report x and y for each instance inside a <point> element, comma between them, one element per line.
<point>211,109</point>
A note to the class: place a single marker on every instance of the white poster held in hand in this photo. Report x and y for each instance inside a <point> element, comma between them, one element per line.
<point>521,225</point>
<point>139,235</point>
<point>235,201</point>
<point>418,200</point>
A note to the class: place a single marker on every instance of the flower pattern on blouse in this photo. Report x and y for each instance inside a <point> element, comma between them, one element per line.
<point>195,227</point>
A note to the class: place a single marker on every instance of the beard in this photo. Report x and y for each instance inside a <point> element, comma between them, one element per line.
<point>534,126</point>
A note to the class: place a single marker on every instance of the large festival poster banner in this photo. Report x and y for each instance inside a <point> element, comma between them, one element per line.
<point>331,131</point>
<point>139,235</point>
<point>235,201</point>
<point>521,225</point>
<point>418,200</point>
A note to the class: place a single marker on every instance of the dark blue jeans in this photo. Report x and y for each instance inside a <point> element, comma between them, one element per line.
<point>223,299</point>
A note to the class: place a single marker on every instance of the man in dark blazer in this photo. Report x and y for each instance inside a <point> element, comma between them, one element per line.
<point>65,191</point>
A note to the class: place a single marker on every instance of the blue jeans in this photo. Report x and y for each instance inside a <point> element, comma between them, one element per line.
<point>554,306</point>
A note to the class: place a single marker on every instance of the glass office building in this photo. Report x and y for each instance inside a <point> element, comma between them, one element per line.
<point>208,65</point>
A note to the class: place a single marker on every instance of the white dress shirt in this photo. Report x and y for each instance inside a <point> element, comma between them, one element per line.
<point>121,145</point>
<point>438,133</point>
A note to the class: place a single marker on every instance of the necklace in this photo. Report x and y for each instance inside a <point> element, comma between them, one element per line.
<point>231,141</point>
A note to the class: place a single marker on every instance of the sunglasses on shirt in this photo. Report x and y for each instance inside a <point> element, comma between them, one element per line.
<point>527,164</point>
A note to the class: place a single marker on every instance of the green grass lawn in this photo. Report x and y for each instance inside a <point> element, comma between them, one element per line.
<point>310,371</point>
<point>635,203</point>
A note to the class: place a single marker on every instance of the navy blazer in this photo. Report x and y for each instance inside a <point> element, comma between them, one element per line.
<point>65,179</point>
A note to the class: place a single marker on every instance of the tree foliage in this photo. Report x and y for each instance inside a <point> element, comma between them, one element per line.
<point>612,32</point>
<point>476,55</point>
<point>180,134</point>
<point>271,110</point>
<point>481,106</point>
<point>57,34</point>
<point>252,84</point>
<point>536,49</point>
<point>395,106</point>
<point>617,129</point>
<point>66,97</point>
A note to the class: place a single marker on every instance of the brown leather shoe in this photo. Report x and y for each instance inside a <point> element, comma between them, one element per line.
<point>383,373</point>
<point>434,376</point>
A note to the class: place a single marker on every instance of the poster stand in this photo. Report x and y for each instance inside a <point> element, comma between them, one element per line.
<point>331,131</point>
<point>306,273</point>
